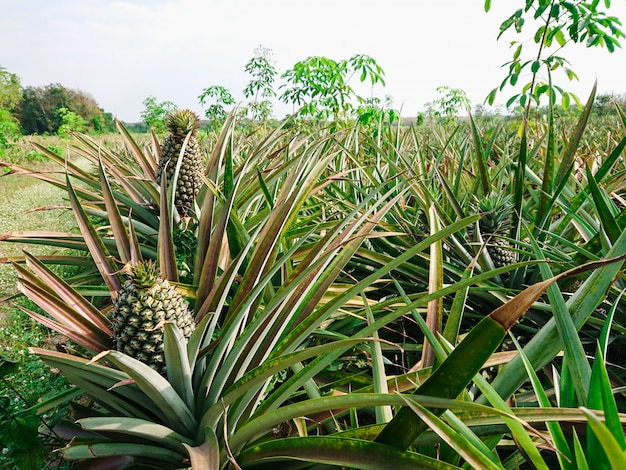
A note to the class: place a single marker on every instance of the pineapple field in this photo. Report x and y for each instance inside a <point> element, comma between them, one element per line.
<point>327,294</point>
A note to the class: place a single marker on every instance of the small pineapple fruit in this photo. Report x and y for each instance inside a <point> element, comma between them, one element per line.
<point>180,123</point>
<point>143,304</point>
<point>497,218</point>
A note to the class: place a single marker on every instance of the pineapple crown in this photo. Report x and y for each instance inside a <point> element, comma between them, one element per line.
<point>497,212</point>
<point>144,274</point>
<point>183,121</point>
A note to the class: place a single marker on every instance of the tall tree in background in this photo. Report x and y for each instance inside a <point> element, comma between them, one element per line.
<point>39,111</point>
<point>261,87</point>
<point>10,89</point>
<point>10,97</point>
<point>321,88</point>
<point>155,113</point>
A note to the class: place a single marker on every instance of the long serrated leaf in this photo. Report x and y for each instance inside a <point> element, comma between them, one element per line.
<point>434,309</point>
<point>260,374</point>
<point>98,251</point>
<point>579,453</point>
<point>101,382</point>
<point>96,387</point>
<point>344,452</point>
<point>87,340</point>
<point>115,219</point>
<point>161,392</point>
<point>602,398</point>
<point>147,165</point>
<point>467,450</point>
<point>556,432</point>
<point>451,378</point>
<point>518,430</point>
<point>545,344</point>
<point>177,363</point>
<point>580,371</point>
<point>62,161</point>
<point>136,427</point>
<point>570,153</point>
<point>65,316</point>
<point>379,377</point>
<point>109,449</point>
<point>481,158</point>
<point>134,247</point>
<point>613,451</point>
<point>453,322</point>
<point>208,266</point>
<point>167,255</point>
<point>68,294</point>
<point>609,224</point>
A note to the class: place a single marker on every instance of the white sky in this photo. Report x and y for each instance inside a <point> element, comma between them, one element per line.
<point>120,52</point>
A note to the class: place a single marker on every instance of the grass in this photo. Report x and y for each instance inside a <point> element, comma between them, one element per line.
<point>28,204</point>
<point>23,200</point>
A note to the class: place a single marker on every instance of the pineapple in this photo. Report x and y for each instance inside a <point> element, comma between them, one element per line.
<point>143,304</point>
<point>497,214</point>
<point>180,123</point>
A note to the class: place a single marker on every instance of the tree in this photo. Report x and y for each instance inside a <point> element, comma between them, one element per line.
<point>320,86</point>
<point>217,97</point>
<point>71,122</point>
<point>155,113</point>
<point>448,106</point>
<point>10,89</point>
<point>39,110</point>
<point>606,104</point>
<point>373,110</point>
<point>261,86</point>
<point>10,97</point>
<point>559,23</point>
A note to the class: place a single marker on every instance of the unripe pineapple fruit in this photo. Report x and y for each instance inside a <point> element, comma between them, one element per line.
<point>180,123</point>
<point>144,303</point>
<point>496,221</point>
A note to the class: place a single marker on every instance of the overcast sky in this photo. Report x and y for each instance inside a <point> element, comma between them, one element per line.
<point>120,52</point>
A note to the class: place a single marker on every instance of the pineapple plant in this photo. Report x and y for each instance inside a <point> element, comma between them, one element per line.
<point>141,307</point>
<point>180,123</point>
<point>496,222</point>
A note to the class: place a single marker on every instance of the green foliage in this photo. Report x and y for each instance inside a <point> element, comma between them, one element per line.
<point>19,437</point>
<point>155,113</point>
<point>373,111</point>
<point>559,23</point>
<point>39,112</point>
<point>449,105</point>
<point>9,131</point>
<point>70,122</point>
<point>24,382</point>
<point>10,90</point>
<point>320,86</point>
<point>10,97</point>
<point>261,86</point>
<point>216,98</point>
<point>186,245</point>
<point>606,104</point>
